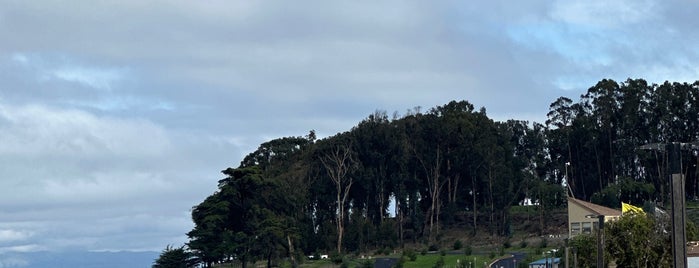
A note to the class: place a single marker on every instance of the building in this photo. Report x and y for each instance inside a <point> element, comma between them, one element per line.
<point>583,216</point>
<point>546,263</point>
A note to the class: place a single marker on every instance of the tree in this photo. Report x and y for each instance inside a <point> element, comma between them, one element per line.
<point>585,247</point>
<point>247,218</point>
<point>638,240</point>
<point>338,163</point>
<point>175,258</point>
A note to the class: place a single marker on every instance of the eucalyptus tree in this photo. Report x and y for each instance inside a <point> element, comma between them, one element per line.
<point>339,163</point>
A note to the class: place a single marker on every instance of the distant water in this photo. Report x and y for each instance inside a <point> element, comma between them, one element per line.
<point>79,259</point>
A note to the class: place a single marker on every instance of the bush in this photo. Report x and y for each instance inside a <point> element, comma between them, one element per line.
<point>433,247</point>
<point>410,254</point>
<point>458,245</point>
<point>523,244</point>
<point>345,263</point>
<point>468,250</point>
<point>423,251</point>
<point>400,264</point>
<point>442,252</point>
<point>440,263</point>
<point>367,264</point>
<point>507,243</point>
<point>336,258</point>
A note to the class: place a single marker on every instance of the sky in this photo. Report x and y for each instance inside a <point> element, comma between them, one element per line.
<point>116,117</point>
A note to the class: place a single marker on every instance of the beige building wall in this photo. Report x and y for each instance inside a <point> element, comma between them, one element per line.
<point>578,223</point>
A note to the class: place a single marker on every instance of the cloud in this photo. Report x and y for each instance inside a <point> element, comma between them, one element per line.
<point>116,116</point>
<point>41,130</point>
<point>95,78</point>
<point>9,235</point>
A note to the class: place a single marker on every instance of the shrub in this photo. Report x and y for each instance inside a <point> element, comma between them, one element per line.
<point>468,250</point>
<point>367,264</point>
<point>458,245</point>
<point>410,254</point>
<point>336,258</point>
<point>345,263</point>
<point>439,263</point>
<point>400,264</point>
<point>433,247</point>
<point>442,252</point>
<point>507,243</point>
<point>423,251</point>
<point>523,244</point>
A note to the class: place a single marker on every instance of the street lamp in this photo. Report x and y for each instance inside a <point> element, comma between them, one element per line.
<point>600,241</point>
<point>570,189</point>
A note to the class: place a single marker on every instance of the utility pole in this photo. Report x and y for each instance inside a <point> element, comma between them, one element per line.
<point>679,238</point>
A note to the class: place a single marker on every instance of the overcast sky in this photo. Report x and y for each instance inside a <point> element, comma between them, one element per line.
<point>116,117</point>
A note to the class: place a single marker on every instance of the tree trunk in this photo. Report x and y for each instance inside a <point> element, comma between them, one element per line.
<point>338,163</point>
<point>292,254</point>
<point>475,211</point>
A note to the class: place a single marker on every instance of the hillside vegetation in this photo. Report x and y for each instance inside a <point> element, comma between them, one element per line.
<point>424,178</point>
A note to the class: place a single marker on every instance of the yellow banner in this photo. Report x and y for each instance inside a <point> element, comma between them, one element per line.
<point>628,208</point>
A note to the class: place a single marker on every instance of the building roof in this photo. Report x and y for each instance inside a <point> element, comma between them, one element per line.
<point>597,209</point>
<point>546,260</point>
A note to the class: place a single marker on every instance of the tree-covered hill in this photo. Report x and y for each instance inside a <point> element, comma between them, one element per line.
<point>402,179</point>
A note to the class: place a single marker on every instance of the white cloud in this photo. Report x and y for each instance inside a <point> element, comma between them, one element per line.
<point>9,235</point>
<point>41,130</point>
<point>92,77</point>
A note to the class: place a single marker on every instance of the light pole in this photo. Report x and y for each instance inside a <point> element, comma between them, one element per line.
<point>600,239</point>
<point>570,189</point>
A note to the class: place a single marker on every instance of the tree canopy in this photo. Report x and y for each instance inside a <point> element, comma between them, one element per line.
<point>405,178</point>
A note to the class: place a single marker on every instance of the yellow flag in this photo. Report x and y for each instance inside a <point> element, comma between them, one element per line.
<point>628,208</point>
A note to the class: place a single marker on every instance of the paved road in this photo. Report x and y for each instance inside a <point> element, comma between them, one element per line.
<point>510,262</point>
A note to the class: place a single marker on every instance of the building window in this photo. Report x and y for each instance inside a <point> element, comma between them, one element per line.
<point>574,228</point>
<point>586,227</point>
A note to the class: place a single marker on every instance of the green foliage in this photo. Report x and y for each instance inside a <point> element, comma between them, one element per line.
<point>507,243</point>
<point>458,245</point>
<point>366,264</point>
<point>410,254</point>
<point>523,243</point>
<point>544,243</point>
<point>400,263</point>
<point>344,263</point>
<point>337,258</point>
<point>433,247</point>
<point>638,241</point>
<point>439,263</point>
<point>692,231</point>
<point>468,250</point>
<point>281,194</point>
<point>626,189</point>
<point>175,258</point>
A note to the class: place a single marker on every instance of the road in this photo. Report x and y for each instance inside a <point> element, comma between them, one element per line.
<point>510,262</point>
